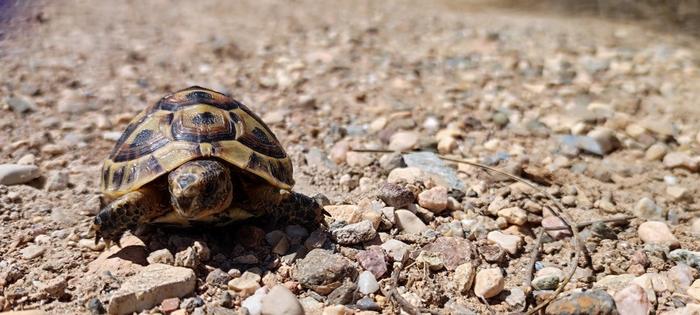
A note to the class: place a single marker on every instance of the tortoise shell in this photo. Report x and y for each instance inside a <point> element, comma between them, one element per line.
<point>191,124</point>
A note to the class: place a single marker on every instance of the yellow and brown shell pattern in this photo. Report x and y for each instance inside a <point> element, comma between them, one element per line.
<point>190,124</point>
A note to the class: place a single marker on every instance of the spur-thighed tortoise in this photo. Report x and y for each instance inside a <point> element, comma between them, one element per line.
<point>198,156</point>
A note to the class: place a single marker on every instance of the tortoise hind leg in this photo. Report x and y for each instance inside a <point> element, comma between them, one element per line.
<point>296,208</point>
<point>125,213</point>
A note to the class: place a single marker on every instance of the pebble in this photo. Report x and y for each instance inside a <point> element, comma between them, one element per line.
<point>452,251</point>
<point>464,277</point>
<point>323,271</point>
<point>510,243</point>
<point>358,159</point>
<point>170,305</point>
<point>55,288</point>
<point>589,302</point>
<point>253,303</point>
<point>403,141</point>
<point>513,215</point>
<point>339,152</point>
<point>656,152</point>
<point>90,244</point>
<point>187,258</point>
<point>655,232</point>
<point>409,222</point>
<point>281,301</point>
<point>396,196</point>
<point>406,175</point>
<point>489,282</point>
<point>555,222</point>
<point>687,257</point>
<point>150,286</point>
<point>32,251</point>
<point>367,304</point>
<point>354,233</point>
<point>434,199</point>
<point>694,290</point>
<point>546,282</point>
<point>677,192</point>
<point>680,160</point>
<point>647,209</point>
<point>14,174</point>
<point>632,300</point>
<point>367,283</point>
<point>20,105</point>
<point>397,250</point>
<point>492,253</point>
<point>447,145</point>
<point>373,259</point>
<point>216,277</point>
<point>391,161</point>
<point>348,213</point>
<point>246,284</point>
<point>441,173</point>
<point>430,260</point>
<point>161,256</point>
<point>112,135</point>
<point>695,227</point>
<point>681,275</point>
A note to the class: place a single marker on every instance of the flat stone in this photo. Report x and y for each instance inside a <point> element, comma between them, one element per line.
<point>546,282</point>
<point>682,276</point>
<point>354,233</point>
<point>161,256</point>
<point>323,271</point>
<point>281,301</point>
<point>687,257</point>
<point>373,259</point>
<point>14,174</point>
<point>120,262</point>
<point>434,199</point>
<point>409,222</point>
<point>397,250</point>
<point>677,192</point>
<point>32,251</point>
<point>588,302</point>
<point>150,286</point>
<point>655,232</point>
<point>614,283</point>
<point>406,175</point>
<point>253,303</point>
<point>489,282</point>
<point>358,159</point>
<point>348,213</point>
<point>441,173</point>
<point>367,283</point>
<point>680,160</point>
<point>403,141</point>
<point>170,305</point>
<point>343,294</point>
<point>694,290</point>
<point>453,251</point>
<point>656,152</point>
<point>246,284</point>
<point>632,300</point>
<point>464,277</point>
<point>510,243</point>
<point>514,215</point>
<point>647,209</point>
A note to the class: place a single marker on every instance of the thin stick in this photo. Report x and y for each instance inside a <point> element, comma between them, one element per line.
<point>585,224</point>
<point>527,285</point>
<point>558,211</point>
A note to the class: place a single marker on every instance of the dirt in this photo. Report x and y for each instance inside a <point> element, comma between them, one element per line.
<point>333,71</point>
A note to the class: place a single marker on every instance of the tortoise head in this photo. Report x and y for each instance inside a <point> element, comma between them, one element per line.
<point>200,188</point>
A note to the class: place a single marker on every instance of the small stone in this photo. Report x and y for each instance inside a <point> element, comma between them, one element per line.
<point>57,180</point>
<point>391,161</point>
<point>396,196</point>
<point>397,250</point>
<point>246,284</point>
<point>655,232</point>
<point>335,310</point>
<point>453,251</point>
<point>14,174</point>
<point>187,258</point>
<point>189,304</point>
<point>682,276</point>
<point>464,277</point>
<point>546,282</point>
<point>516,298</point>
<point>281,301</point>
<point>687,257</point>
<point>316,239</point>
<point>489,282</point>
<point>434,199</point>
<point>170,305</point>
<point>253,303</point>
<point>511,243</point>
<point>553,222</point>
<point>647,209</point>
<point>430,260</point>
<point>367,283</point>
<point>492,253</point>
<point>55,288</point>
<point>447,145</point>
<point>368,305</point>
<point>514,215</point>
<point>403,141</point>
<point>409,222</point>
<point>406,175</point>
<point>32,251</point>
<point>694,290</point>
<point>348,213</point>
<point>358,159</point>
<point>20,105</point>
<point>680,160</point>
<point>434,167</point>
<point>121,262</point>
<point>323,271</point>
<point>344,294</point>
<point>354,233</point>
<point>216,277</point>
<point>374,260</point>
<point>339,152</point>
<point>656,152</point>
<point>632,300</point>
<point>588,302</point>
<point>150,286</point>
<point>677,192</point>
<point>90,244</point>
<point>161,256</point>
<point>275,116</point>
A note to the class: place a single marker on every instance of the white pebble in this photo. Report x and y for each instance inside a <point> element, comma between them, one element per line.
<point>367,283</point>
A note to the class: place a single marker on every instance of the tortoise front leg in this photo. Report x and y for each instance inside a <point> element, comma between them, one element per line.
<point>126,213</point>
<point>296,208</point>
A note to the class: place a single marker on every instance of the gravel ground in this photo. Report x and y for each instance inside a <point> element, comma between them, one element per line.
<point>602,116</point>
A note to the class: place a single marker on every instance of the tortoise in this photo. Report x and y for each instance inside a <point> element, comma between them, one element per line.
<point>198,156</point>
